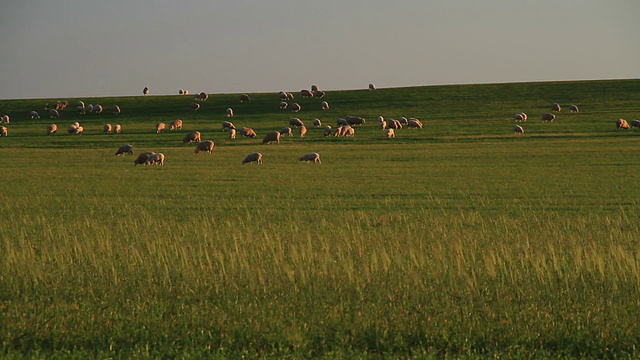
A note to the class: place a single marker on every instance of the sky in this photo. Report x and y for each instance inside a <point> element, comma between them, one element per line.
<point>77,48</point>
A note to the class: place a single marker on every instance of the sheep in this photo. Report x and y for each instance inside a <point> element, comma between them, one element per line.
<point>203,96</point>
<point>107,128</point>
<point>548,117</point>
<point>193,136</point>
<point>319,94</point>
<point>340,131</point>
<point>286,131</point>
<point>622,124</point>
<point>145,91</point>
<point>372,87</point>
<point>142,158</point>
<point>34,115</point>
<point>126,148</point>
<point>6,119</point>
<point>327,130</point>
<point>115,110</point>
<point>348,131</point>
<point>312,156</point>
<point>354,120</point>
<point>155,159</point>
<point>391,133</point>
<point>520,117</point>
<point>306,93</point>
<point>117,129</point>
<point>316,122</point>
<point>232,133</point>
<point>73,128</point>
<point>4,131</point>
<point>295,107</point>
<point>60,105</point>
<point>185,92</point>
<point>175,124</point>
<point>573,108</point>
<point>517,129</point>
<point>97,108</point>
<point>247,132</point>
<point>229,112</point>
<point>341,122</point>
<point>295,122</point>
<point>283,95</point>
<point>403,120</point>
<point>81,110</point>
<point>245,98</point>
<point>194,106</point>
<point>325,105</point>
<point>205,146</point>
<point>315,88</point>
<point>80,104</point>
<point>383,124</point>
<point>54,114</point>
<point>394,124</point>
<point>303,131</point>
<point>180,92</point>
<point>227,125</point>
<point>284,105</point>
<point>90,108</point>
<point>290,96</point>
<point>253,157</point>
<point>555,107</point>
<point>414,124</point>
<point>159,127</point>
<point>51,129</point>
<point>635,123</point>
<point>271,137</point>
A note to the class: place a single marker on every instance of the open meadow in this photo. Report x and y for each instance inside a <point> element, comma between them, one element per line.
<point>460,239</point>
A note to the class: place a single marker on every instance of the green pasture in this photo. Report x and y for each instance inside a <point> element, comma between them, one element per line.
<point>457,240</point>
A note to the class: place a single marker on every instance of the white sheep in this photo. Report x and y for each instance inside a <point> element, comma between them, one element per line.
<point>354,120</point>
<point>5,119</point>
<point>316,122</point>
<point>573,108</point>
<point>145,91</point>
<point>142,158</point>
<point>81,110</point>
<point>372,87</point>
<point>517,129</point>
<point>107,128</point>
<point>117,129</point>
<point>295,122</point>
<point>635,123</point>
<point>232,133</point>
<point>520,117</point>
<point>51,129</point>
<point>97,108</point>
<point>622,124</point>
<point>271,137</point>
<point>80,104</point>
<point>124,149</point>
<point>203,96</point>
<point>283,96</point>
<point>247,132</point>
<point>391,133</point>
<point>306,93</point>
<point>156,159</point>
<point>34,115</point>
<point>548,117</point>
<point>325,105</point>
<point>303,131</point>
<point>175,124</point>
<point>4,131</point>
<point>312,156</point>
<point>253,157</point>
<point>414,123</point>
<point>555,107</point>
<point>286,131</point>
<point>194,106</point>
<point>227,125</point>
<point>229,112</point>
<point>245,98</point>
<point>159,127</point>
<point>319,94</point>
<point>284,105</point>
<point>315,88</point>
<point>90,108</point>
<point>115,109</point>
<point>193,136</point>
<point>327,130</point>
<point>295,107</point>
<point>205,146</point>
<point>54,114</point>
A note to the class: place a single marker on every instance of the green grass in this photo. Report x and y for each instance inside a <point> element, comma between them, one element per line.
<point>457,240</point>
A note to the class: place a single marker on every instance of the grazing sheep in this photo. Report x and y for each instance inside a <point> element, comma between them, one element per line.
<point>316,122</point>
<point>117,129</point>
<point>327,130</point>
<point>290,96</point>
<point>372,87</point>
<point>159,127</point>
<point>175,124</point>
<point>227,125</point>
<point>391,133</point>
<point>341,122</point>
<point>245,98</point>
<point>286,131</point>
<point>247,132</point>
<point>548,117</point>
<point>90,108</point>
<point>354,120</point>
<point>73,129</point>
<point>142,158</point>
<point>60,105</point>
<point>348,131</point>
<point>573,108</point>
<point>394,124</point>
<point>306,93</point>
<point>115,109</point>
<point>284,105</point>
<point>97,108</point>
<point>283,95</point>
<point>232,133</point>
<point>253,157</point>
<point>145,91</point>
<point>635,123</point>
<point>271,137</point>
<point>295,107</point>
<point>517,129</point>
<point>319,94</point>
<point>295,122</point>
<point>203,96</point>
<point>126,148</point>
<point>54,114</point>
<point>303,131</point>
<point>194,106</point>
<point>34,115</point>
<point>313,156</point>
<point>51,129</point>
<point>325,105</point>
<point>155,159</point>
<point>107,128</point>
<point>315,87</point>
<point>5,119</point>
<point>205,146</point>
<point>555,107</point>
<point>520,117</point>
<point>193,136</point>
<point>622,124</point>
<point>81,110</point>
<point>4,131</point>
<point>80,103</point>
<point>414,124</point>
<point>229,112</point>
<point>339,131</point>
<point>403,120</point>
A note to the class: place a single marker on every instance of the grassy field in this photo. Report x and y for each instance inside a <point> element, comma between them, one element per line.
<point>457,240</point>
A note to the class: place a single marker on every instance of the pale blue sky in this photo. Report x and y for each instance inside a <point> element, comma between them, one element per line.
<point>80,48</point>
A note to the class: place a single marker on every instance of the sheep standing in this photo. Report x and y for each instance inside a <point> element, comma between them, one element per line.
<point>51,129</point>
<point>573,108</point>
<point>306,93</point>
<point>382,122</point>
<point>284,105</point>
<point>245,98</point>
<point>517,129</point>
<point>548,117</point>
<point>193,136</point>
<point>372,87</point>
<point>97,108</point>
<point>295,122</point>
<point>4,131</point>
<point>327,130</point>
<point>175,124</point>
<point>318,93</point>
<point>117,129</point>
<point>391,133</point>
<point>159,127</point>
<point>205,146</point>
<point>155,159</point>
<point>232,133</point>
<point>316,122</point>
<point>5,119</point>
<point>115,110</point>
<point>354,120</point>
<point>286,131</point>
<point>312,156</point>
<point>247,132</point>
<point>283,96</point>
<point>414,124</point>
<point>107,128</point>
<point>203,96</point>
<point>325,105</point>
<point>194,106</point>
<point>253,157</point>
<point>145,91</point>
<point>142,158</point>
<point>271,137</point>
<point>635,123</point>
<point>295,107</point>
<point>555,107</point>
<point>54,114</point>
<point>522,117</point>
<point>229,112</point>
<point>34,115</point>
<point>124,149</point>
<point>81,110</point>
<point>622,124</point>
<point>303,131</point>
